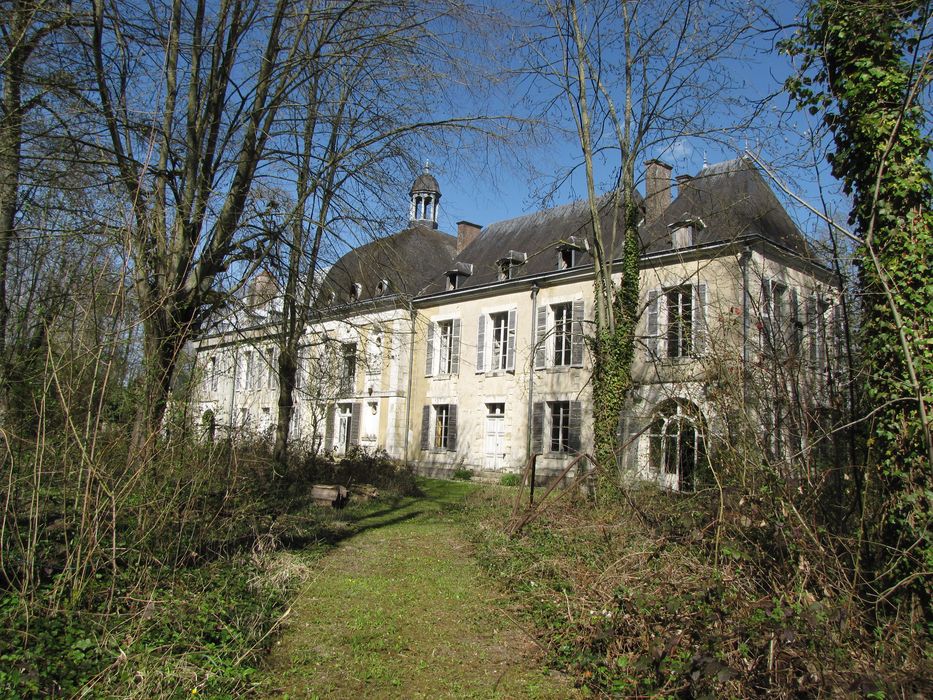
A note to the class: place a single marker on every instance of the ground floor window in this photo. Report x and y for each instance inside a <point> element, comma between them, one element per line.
<point>439,427</point>
<point>556,426</point>
<point>676,446</point>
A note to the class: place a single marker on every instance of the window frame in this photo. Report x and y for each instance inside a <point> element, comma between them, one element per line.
<point>348,357</point>
<point>499,341</point>
<point>559,427</point>
<point>562,331</point>
<point>678,329</point>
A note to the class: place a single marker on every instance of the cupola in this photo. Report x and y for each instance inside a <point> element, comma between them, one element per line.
<point>425,199</point>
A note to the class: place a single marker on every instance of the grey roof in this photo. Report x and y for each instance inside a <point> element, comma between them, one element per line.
<point>409,260</point>
<point>733,200</point>
<point>538,235</point>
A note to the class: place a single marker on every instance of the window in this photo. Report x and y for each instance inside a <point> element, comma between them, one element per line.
<point>270,368</point>
<point>356,291</point>
<point>453,281</point>
<point>445,331</point>
<point>566,258</point>
<point>443,351</point>
<point>555,427</point>
<point>817,311</point>
<point>560,426</point>
<point>500,341</point>
<point>382,287</point>
<point>675,445</point>
<point>246,371</point>
<point>439,427</point>
<point>675,322</point>
<point>495,342</point>
<point>374,355</point>
<point>563,334</point>
<point>780,329</point>
<point>508,266</point>
<point>679,321</point>
<point>212,370</point>
<point>348,368</point>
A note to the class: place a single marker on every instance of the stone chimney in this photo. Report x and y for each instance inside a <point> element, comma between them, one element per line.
<point>657,189</point>
<point>466,233</point>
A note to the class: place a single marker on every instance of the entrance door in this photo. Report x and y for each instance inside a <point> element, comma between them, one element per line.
<point>495,436</point>
<point>344,418</point>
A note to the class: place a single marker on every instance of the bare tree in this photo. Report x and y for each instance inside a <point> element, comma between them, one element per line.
<point>188,95</point>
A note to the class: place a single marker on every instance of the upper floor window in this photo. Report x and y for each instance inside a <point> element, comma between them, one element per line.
<point>559,335</point>
<point>675,321</point>
<point>348,368</point>
<point>780,328</point>
<point>459,273</point>
<point>495,349</point>
<point>271,374</point>
<point>382,287</point>
<point>500,340</point>
<point>566,258</point>
<point>679,320</point>
<point>568,252</point>
<point>443,348</point>
<point>212,373</point>
<point>510,264</point>
<point>356,291</point>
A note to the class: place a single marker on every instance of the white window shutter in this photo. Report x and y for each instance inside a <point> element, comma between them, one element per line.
<point>540,337</point>
<point>481,344</point>
<point>510,357</point>
<point>576,352</point>
<point>652,323</point>
<point>455,347</point>
<point>429,357</point>
<point>700,333</point>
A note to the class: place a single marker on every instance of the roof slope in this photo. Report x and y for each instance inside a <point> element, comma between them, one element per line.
<point>409,260</point>
<point>537,235</point>
<point>733,200</point>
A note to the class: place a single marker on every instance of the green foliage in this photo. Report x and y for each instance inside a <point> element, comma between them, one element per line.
<point>462,474</point>
<point>859,72</point>
<point>613,348</point>
<point>510,480</point>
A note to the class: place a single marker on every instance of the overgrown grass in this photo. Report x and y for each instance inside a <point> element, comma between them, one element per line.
<point>172,578</point>
<point>673,607</point>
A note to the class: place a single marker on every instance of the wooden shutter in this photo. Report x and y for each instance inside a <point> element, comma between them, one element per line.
<point>651,324</point>
<point>540,336</point>
<point>764,314</point>
<point>425,427</point>
<point>356,412</point>
<point>452,428</point>
<point>481,344</point>
<point>329,428</point>
<point>794,336</point>
<point>429,358</point>
<point>455,347</point>
<point>576,351</point>
<point>700,334</point>
<point>510,357</point>
<point>576,420</point>
<point>537,427</point>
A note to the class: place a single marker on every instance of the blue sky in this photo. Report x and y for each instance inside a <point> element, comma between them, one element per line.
<point>499,184</point>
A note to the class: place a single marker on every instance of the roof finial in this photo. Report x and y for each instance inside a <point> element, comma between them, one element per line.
<point>705,164</point>
<point>427,166</point>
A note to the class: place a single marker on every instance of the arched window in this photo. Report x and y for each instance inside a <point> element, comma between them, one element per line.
<point>676,445</point>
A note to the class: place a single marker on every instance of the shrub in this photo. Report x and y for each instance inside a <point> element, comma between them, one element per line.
<point>462,474</point>
<point>510,480</point>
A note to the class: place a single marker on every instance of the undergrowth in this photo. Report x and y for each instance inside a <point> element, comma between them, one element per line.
<point>176,583</point>
<point>667,608</point>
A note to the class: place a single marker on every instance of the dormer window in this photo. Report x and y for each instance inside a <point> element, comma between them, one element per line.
<point>332,297</point>
<point>508,266</point>
<point>356,291</point>
<point>382,287</point>
<point>457,275</point>
<point>568,252</point>
<point>683,232</point>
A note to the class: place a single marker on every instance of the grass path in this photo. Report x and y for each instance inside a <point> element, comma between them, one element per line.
<point>401,610</point>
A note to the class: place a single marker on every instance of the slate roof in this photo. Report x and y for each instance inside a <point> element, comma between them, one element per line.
<point>733,200</point>
<point>409,260</point>
<point>537,235</point>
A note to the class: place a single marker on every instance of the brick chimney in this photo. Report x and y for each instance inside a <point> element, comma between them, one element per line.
<point>466,233</point>
<point>657,189</point>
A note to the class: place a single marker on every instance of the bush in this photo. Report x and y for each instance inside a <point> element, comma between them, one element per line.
<point>510,480</point>
<point>462,474</point>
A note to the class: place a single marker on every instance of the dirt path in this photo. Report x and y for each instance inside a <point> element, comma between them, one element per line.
<point>401,610</point>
